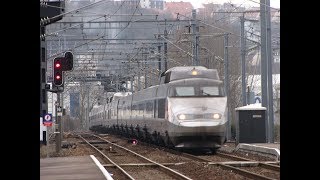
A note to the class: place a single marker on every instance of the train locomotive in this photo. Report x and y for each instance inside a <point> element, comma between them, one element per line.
<point>187,110</point>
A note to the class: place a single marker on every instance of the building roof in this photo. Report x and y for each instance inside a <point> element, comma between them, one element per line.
<point>256,106</point>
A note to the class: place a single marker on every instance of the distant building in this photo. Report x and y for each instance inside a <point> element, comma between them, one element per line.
<point>208,10</point>
<point>157,4</point>
<point>132,3</point>
<point>183,8</point>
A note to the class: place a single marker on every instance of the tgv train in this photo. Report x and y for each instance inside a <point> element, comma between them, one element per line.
<point>188,109</point>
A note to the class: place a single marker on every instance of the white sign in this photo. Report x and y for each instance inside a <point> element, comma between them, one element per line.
<point>59,109</point>
<point>47,117</point>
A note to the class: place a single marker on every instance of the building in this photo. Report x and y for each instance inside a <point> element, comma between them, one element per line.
<point>156,4</point>
<point>183,8</point>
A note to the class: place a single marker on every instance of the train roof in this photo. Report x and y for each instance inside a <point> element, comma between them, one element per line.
<point>119,95</point>
<point>196,81</point>
<point>185,68</point>
<point>186,72</point>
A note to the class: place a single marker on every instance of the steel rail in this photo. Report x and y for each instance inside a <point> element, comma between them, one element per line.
<point>232,156</point>
<point>173,172</point>
<point>246,173</point>
<point>270,166</point>
<point>144,164</point>
<point>122,170</point>
<point>237,170</point>
<point>264,165</point>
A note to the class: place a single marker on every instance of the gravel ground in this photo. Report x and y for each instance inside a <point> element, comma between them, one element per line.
<point>77,150</point>
<point>264,172</point>
<point>198,170</point>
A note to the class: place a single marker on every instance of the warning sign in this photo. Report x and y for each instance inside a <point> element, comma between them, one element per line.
<point>47,120</point>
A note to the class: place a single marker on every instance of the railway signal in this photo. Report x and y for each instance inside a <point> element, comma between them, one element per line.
<point>61,64</point>
<point>57,71</point>
<point>68,61</point>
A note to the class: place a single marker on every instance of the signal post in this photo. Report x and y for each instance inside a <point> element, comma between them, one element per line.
<point>58,127</point>
<point>60,65</point>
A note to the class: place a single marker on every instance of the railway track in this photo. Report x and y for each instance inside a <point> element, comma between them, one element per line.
<point>236,164</point>
<point>143,162</point>
<point>245,167</point>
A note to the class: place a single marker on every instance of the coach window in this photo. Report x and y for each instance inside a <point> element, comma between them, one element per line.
<point>149,109</point>
<point>134,110</point>
<point>141,109</point>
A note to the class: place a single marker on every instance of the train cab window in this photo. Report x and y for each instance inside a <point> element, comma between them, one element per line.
<point>209,91</point>
<point>167,77</point>
<point>196,91</point>
<point>184,91</point>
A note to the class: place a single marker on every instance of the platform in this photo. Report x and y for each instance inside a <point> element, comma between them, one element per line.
<point>272,149</point>
<point>76,167</point>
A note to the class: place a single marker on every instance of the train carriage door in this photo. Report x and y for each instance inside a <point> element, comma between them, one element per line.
<point>155,104</point>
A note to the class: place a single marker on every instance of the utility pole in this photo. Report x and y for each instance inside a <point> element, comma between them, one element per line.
<point>58,123</point>
<point>243,60</point>
<point>49,13</point>
<point>61,105</point>
<point>195,33</point>
<point>139,85</point>
<point>264,64</point>
<point>87,114</point>
<point>165,45</point>
<point>159,57</point>
<point>269,71</point>
<point>131,77</point>
<point>226,81</point>
<point>43,70</point>
<point>145,68</point>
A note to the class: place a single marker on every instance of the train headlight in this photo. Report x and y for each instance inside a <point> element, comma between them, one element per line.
<point>181,117</point>
<point>216,116</point>
<point>194,72</point>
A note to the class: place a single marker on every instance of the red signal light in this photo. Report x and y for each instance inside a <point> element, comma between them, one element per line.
<point>58,65</point>
<point>58,77</point>
<point>58,71</point>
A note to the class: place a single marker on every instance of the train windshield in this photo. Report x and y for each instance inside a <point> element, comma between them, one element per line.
<point>196,91</point>
<point>209,91</point>
<point>184,91</point>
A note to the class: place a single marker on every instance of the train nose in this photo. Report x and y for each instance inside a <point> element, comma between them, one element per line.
<point>194,113</point>
<point>205,119</point>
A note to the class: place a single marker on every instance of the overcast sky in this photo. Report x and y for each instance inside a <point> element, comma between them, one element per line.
<point>242,3</point>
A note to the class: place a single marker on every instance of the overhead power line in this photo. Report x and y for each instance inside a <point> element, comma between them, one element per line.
<point>264,5</point>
